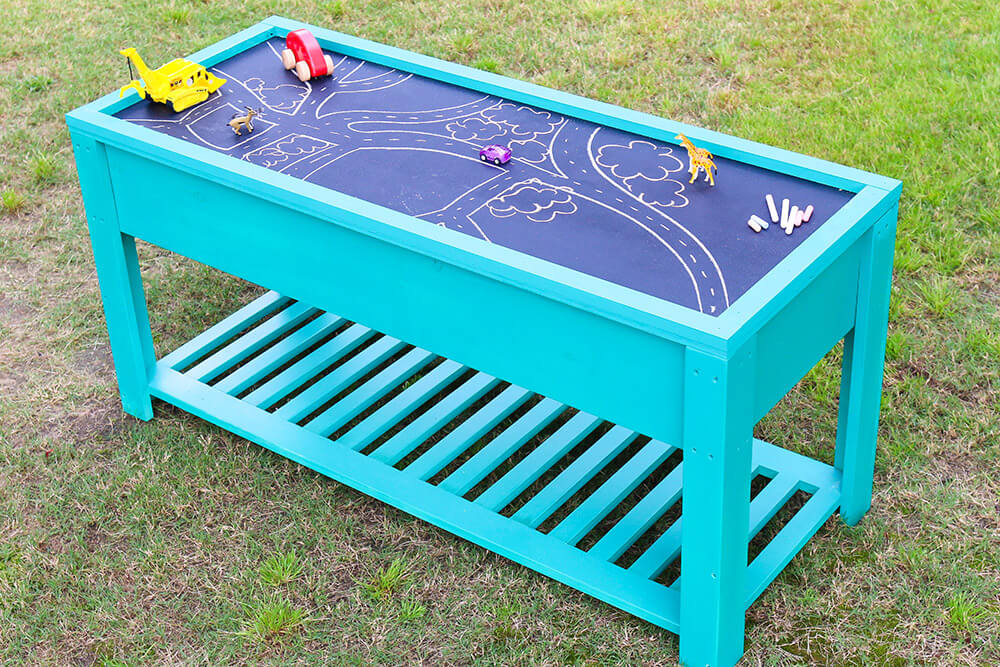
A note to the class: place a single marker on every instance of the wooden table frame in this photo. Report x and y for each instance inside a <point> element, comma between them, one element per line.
<point>718,375</point>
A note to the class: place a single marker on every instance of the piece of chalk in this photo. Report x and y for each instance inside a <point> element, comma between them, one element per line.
<point>796,220</point>
<point>784,212</point>
<point>792,214</point>
<point>760,221</point>
<point>771,207</point>
<point>753,225</point>
<point>789,228</point>
<point>808,214</point>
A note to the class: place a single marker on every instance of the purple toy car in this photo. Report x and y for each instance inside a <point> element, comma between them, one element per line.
<point>495,153</point>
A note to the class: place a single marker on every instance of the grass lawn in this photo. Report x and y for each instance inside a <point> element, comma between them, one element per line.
<point>172,541</point>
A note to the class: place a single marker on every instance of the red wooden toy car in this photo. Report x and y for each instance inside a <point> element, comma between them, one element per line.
<point>305,56</point>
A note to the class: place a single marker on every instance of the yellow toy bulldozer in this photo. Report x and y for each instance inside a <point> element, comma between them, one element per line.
<point>180,83</point>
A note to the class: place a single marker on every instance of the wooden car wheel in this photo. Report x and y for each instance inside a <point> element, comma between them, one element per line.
<point>302,71</point>
<point>329,63</point>
<point>288,59</point>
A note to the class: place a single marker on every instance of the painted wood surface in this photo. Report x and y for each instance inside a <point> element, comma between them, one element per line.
<point>579,340</point>
<point>777,287</point>
<point>861,380</point>
<point>718,436</point>
<point>611,204</point>
<point>557,350</point>
<point>120,282</point>
<point>375,458</point>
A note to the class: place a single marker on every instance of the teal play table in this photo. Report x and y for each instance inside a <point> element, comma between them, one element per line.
<point>561,358</point>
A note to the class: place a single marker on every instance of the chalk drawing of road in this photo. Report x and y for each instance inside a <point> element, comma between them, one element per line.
<point>574,193</point>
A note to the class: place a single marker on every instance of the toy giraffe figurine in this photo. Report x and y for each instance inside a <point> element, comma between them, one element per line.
<point>698,158</point>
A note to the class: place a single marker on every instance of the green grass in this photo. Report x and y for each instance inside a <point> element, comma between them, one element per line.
<point>171,541</point>
<point>411,610</point>
<point>964,614</point>
<point>939,296</point>
<point>280,569</point>
<point>178,15</point>
<point>386,581</point>
<point>38,83</point>
<point>272,621</point>
<point>11,201</point>
<point>334,10</point>
<point>45,168</point>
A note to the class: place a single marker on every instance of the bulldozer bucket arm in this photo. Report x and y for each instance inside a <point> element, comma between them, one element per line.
<point>135,85</point>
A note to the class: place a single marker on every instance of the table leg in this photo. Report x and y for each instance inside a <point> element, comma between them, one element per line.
<point>861,378</point>
<point>119,278</point>
<point>718,440</point>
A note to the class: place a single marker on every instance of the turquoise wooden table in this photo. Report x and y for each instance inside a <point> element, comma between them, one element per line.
<point>561,359</point>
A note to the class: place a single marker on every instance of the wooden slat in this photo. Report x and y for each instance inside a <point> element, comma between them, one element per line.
<point>211,338</point>
<point>667,547</point>
<point>791,471</point>
<point>510,539</point>
<point>789,540</point>
<point>531,467</point>
<point>279,354</point>
<point>400,406</point>
<point>814,475</point>
<point>639,519</point>
<point>764,506</point>
<point>358,400</point>
<point>469,431</point>
<point>395,449</point>
<point>250,342</point>
<point>298,373</point>
<point>770,499</point>
<point>581,520</point>
<point>501,447</point>
<point>574,477</point>
<point>339,379</point>
<point>660,554</point>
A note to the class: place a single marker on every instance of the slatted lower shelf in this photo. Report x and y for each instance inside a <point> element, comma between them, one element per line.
<point>591,504</point>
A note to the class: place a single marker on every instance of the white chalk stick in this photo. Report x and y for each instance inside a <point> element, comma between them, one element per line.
<point>789,228</point>
<point>753,225</point>
<point>760,221</point>
<point>784,212</point>
<point>796,220</point>
<point>792,214</point>
<point>808,214</point>
<point>770,207</point>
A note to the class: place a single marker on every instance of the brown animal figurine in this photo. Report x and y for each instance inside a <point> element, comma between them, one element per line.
<point>698,159</point>
<point>245,120</point>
